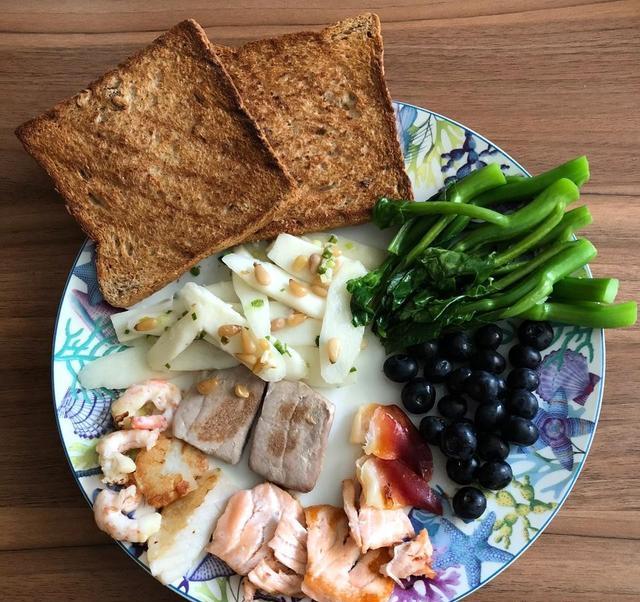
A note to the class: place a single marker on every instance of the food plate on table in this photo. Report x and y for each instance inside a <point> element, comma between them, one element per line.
<point>347,410</point>
<point>435,148</point>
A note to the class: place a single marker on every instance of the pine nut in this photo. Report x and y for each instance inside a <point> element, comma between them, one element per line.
<point>333,349</point>
<point>229,330</point>
<point>247,358</point>
<point>299,263</point>
<point>278,324</point>
<point>262,276</point>
<point>295,319</point>
<point>258,367</point>
<point>316,289</point>
<point>207,386</point>
<point>248,346</point>
<point>264,345</point>
<point>146,324</point>
<point>297,289</point>
<point>241,391</point>
<point>314,262</point>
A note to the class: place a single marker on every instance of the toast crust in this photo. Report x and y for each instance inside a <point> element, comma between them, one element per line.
<point>322,101</point>
<point>160,163</point>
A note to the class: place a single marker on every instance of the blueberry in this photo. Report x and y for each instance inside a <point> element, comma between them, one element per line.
<point>489,360</point>
<point>452,406</point>
<point>523,356</point>
<point>490,416</point>
<point>431,429</point>
<point>523,378</point>
<point>456,346</point>
<point>462,472</point>
<point>425,352</point>
<point>492,447</point>
<point>489,336</point>
<point>400,368</point>
<point>502,387</point>
<point>523,403</point>
<point>482,385</point>
<point>538,335</point>
<point>469,503</point>
<point>418,395</point>
<point>459,441</point>
<point>495,475</point>
<point>457,379</point>
<point>438,370</point>
<point>521,431</point>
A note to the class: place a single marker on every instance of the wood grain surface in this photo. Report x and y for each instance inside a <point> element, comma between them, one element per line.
<point>546,80</point>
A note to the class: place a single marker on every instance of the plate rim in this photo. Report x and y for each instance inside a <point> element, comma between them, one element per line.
<point>493,575</point>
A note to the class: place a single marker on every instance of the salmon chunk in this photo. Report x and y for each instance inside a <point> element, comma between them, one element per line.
<point>373,528</point>
<point>336,571</point>
<point>410,558</point>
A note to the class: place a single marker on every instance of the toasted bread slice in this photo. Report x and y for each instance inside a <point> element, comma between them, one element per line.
<point>160,164</point>
<point>322,102</point>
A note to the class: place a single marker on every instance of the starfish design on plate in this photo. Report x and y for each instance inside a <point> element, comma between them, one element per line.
<point>87,273</point>
<point>556,430</point>
<point>470,551</point>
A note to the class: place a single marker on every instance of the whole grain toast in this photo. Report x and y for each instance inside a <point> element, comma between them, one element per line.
<point>322,102</point>
<point>160,163</point>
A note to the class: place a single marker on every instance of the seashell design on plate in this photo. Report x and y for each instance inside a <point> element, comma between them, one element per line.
<point>94,314</point>
<point>89,411</point>
<point>566,373</point>
<point>211,567</point>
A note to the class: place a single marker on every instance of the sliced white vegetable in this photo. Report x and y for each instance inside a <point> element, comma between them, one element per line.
<point>152,319</point>
<point>337,330</point>
<point>296,366</point>
<point>223,290</point>
<point>278,285</point>
<point>255,306</point>
<point>370,257</point>
<point>311,356</point>
<point>302,334</point>
<point>278,310</point>
<point>286,249</point>
<point>175,340</point>
<point>214,313</point>
<point>201,355</point>
<point>118,370</point>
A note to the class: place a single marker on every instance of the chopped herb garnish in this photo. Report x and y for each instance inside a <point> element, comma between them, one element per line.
<point>200,336</point>
<point>126,331</point>
<point>184,313</point>
<point>327,254</point>
<point>267,337</point>
<point>353,369</point>
<point>194,316</point>
<point>282,348</point>
<point>166,328</point>
<point>333,239</point>
<point>283,289</point>
<point>257,303</point>
<point>169,311</point>
<point>348,246</point>
<point>195,270</point>
<point>224,340</point>
<point>167,366</point>
<point>318,341</point>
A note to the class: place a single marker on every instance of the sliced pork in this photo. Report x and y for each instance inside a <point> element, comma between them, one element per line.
<point>336,571</point>
<point>291,435</point>
<point>411,558</point>
<point>216,415</point>
<point>373,528</point>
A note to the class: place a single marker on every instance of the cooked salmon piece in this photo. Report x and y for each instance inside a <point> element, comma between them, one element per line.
<point>248,524</point>
<point>289,543</point>
<point>272,577</point>
<point>410,558</point>
<point>336,572</point>
<point>373,528</point>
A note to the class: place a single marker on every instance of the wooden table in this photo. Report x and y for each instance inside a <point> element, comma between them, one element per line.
<point>546,80</point>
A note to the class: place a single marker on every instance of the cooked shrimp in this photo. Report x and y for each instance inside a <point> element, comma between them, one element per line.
<point>162,394</point>
<point>110,511</point>
<point>115,465</point>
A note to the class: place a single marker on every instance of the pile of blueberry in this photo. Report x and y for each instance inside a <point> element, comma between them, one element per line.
<point>481,413</point>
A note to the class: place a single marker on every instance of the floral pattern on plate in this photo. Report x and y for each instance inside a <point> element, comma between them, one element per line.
<point>467,554</point>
